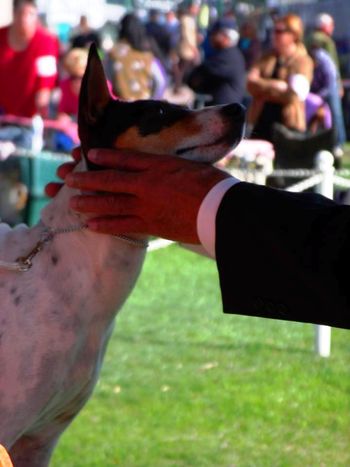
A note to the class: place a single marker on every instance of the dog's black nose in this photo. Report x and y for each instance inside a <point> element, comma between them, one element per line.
<point>236,111</point>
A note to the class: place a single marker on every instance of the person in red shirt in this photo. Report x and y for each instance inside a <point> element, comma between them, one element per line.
<point>28,63</point>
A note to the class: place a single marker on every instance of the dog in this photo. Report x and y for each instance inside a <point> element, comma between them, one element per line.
<point>58,309</point>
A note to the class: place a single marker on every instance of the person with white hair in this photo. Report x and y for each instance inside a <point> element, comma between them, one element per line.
<point>322,38</point>
<point>222,74</point>
<point>322,34</point>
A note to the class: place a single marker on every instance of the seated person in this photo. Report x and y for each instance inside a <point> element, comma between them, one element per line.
<point>279,82</point>
<point>134,70</point>
<point>74,64</point>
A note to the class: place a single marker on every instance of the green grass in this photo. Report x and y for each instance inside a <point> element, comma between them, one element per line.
<point>346,158</point>
<point>185,385</point>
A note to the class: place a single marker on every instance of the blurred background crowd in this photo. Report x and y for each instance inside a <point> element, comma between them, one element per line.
<point>289,65</point>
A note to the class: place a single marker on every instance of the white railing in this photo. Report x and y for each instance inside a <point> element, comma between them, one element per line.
<point>323,178</point>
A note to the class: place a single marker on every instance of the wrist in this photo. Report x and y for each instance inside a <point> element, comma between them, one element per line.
<point>206,218</point>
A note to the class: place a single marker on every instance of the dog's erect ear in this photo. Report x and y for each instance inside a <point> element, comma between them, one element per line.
<point>94,96</point>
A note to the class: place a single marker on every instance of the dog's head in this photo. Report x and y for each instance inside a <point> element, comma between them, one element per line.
<point>153,126</point>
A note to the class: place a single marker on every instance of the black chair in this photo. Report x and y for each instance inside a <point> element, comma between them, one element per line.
<point>297,150</point>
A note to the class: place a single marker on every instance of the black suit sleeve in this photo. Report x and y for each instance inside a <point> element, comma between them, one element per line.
<point>284,255</point>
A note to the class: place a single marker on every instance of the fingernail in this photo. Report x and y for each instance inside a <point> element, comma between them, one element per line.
<point>92,154</point>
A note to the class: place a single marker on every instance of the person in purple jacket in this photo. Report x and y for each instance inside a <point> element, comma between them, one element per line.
<point>325,84</point>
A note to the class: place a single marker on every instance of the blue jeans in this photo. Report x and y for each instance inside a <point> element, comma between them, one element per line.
<point>334,102</point>
<point>21,137</point>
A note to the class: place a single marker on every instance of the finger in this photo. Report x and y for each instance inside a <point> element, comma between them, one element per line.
<point>117,225</point>
<point>76,153</point>
<point>104,180</point>
<point>126,160</point>
<point>52,189</point>
<point>116,205</point>
<point>65,169</point>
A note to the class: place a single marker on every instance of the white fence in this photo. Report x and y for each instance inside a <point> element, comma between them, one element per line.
<point>324,178</point>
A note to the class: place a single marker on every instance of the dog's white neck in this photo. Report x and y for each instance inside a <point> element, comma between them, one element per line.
<point>68,231</point>
<point>57,213</point>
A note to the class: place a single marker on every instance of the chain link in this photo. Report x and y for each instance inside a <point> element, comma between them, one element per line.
<point>24,263</point>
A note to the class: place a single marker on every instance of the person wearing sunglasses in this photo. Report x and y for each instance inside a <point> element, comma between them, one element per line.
<point>279,81</point>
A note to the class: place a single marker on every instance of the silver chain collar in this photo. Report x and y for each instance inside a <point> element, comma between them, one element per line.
<point>24,263</point>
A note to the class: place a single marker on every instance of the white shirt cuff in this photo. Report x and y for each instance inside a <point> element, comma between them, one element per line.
<point>206,218</point>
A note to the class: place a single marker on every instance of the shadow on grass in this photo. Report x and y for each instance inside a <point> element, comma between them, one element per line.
<point>248,346</point>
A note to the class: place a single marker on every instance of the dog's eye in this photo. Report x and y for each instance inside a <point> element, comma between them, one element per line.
<point>156,112</point>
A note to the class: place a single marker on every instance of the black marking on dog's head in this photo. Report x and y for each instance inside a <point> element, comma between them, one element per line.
<point>154,126</point>
<point>101,118</point>
<point>147,117</point>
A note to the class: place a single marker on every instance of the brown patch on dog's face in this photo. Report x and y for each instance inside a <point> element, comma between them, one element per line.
<point>205,135</point>
<point>163,142</point>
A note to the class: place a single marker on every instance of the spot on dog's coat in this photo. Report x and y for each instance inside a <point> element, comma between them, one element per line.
<point>17,300</point>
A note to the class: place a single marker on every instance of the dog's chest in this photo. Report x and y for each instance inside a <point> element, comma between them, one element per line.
<point>55,322</point>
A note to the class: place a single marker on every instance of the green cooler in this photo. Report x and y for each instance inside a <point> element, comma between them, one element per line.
<point>22,182</point>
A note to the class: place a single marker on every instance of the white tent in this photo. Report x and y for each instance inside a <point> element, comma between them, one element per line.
<point>68,12</point>
<point>5,12</point>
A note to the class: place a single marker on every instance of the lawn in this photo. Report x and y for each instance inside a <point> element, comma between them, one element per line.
<point>346,158</point>
<point>185,385</point>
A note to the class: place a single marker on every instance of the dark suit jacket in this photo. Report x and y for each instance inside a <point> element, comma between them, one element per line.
<point>284,255</point>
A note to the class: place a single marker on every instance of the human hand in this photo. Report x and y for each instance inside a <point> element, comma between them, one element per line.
<point>143,193</point>
<point>53,188</point>
<point>253,74</point>
<point>279,85</point>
